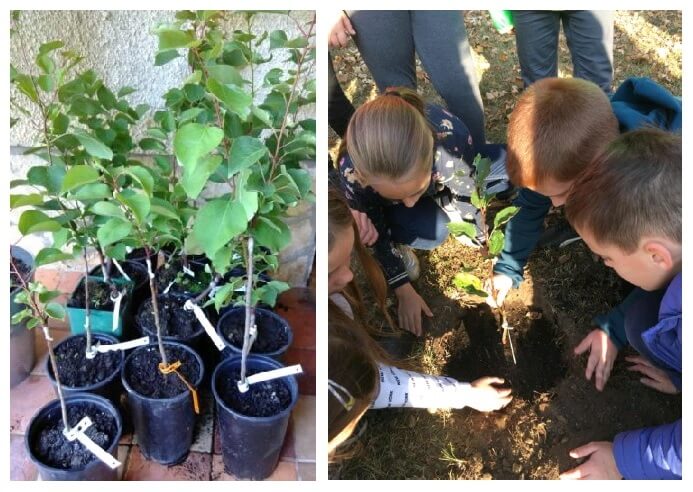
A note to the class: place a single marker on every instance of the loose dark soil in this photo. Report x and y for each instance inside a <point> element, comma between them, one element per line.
<point>184,283</point>
<point>53,448</point>
<point>261,400</point>
<point>271,334</point>
<point>76,371</point>
<point>143,375</point>
<point>175,321</point>
<point>24,271</point>
<point>99,296</point>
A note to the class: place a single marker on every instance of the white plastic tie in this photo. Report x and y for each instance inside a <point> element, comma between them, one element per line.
<point>168,287</point>
<point>137,342</point>
<point>47,334</point>
<point>188,271</point>
<point>269,375</point>
<point>129,249</point>
<point>77,432</point>
<point>116,308</point>
<point>209,329</point>
<point>122,272</point>
<point>149,268</point>
<point>91,353</point>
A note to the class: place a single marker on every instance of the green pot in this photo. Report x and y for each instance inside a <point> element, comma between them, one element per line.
<point>101,321</point>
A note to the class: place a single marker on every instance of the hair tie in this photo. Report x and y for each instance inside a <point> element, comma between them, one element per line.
<point>335,389</point>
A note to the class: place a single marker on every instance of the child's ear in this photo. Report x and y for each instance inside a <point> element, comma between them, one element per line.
<point>660,254</point>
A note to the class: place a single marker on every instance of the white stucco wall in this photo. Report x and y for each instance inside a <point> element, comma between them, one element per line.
<point>120,47</point>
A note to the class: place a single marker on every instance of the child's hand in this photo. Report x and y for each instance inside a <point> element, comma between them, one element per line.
<point>603,353</point>
<point>486,397</point>
<point>601,464</point>
<point>503,284</point>
<point>409,307</point>
<point>367,231</point>
<point>341,32</point>
<point>655,377</point>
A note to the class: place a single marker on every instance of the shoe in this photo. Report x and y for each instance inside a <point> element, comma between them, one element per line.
<point>410,260</point>
<point>558,236</point>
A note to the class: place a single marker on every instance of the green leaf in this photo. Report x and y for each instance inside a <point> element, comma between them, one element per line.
<point>271,233</point>
<point>163,163</point>
<point>174,38</point>
<point>50,255</point>
<point>25,85</point>
<point>163,57</point>
<point>143,177</point>
<point>157,133</point>
<point>225,74</point>
<point>505,215</point>
<point>477,201</point>
<point>483,168</point>
<point>194,140</point>
<point>222,295</point>
<point>21,315</point>
<point>24,200</point>
<point>248,199</point>
<point>78,176</point>
<point>278,39</point>
<point>50,46</point>
<point>302,179</point>
<point>137,201</point>
<point>273,77</point>
<point>245,151</point>
<point>113,231</point>
<point>496,242</point>
<point>217,223</point>
<point>60,238</point>
<point>469,283</point>
<point>233,98</point>
<point>32,221</point>
<point>195,178</point>
<point>462,228</point>
<point>93,146</point>
<point>82,106</point>
<point>165,209</point>
<point>152,144</point>
<point>125,91</point>
<point>141,109</point>
<point>262,115</point>
<point>106,97</point>
<point>94,191</point>
<point>194,92</point>
<point>48,295</point>
<point>46,82</point>
<point>108,209</point>
<point>268,293</point>
<point>189,114</point>
<point>55,310</point>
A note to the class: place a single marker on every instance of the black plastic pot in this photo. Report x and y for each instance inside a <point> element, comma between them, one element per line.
<point>140,256</point>
<point>110,388</point>
<point>22,339</point>
<point>269,324</point>
<point>50,413</point>
<point>251,445</point>
<point>164,426</point>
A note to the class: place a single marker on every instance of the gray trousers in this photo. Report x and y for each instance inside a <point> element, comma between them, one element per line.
<point>388,40</point>
<point>590,37</point>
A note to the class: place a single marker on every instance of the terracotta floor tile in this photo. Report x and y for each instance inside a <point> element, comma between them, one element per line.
<point>69,281</point>
<point>123,452</point>
<point>306,471</point>
<point>26,398</point>
<point>217,438</point>
<point>21,467</point>
<point>297,306</point>
<point>204,428</point>
<point>304,428</point>
<point>305,357</point>
<point>50,277</point>
<point>285,470</point>
<point>288,450</point>
<point>197,467</point>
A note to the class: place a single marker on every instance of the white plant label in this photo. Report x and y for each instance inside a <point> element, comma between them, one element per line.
<point>274,374</point>
<point>188,271</point>
<point>122,272</point>
<point>137,342</point>
<point>149,268</point>
<point>168,287</point>
<point>77,432</point>
<point>209,329</point>
<point>116,308</point>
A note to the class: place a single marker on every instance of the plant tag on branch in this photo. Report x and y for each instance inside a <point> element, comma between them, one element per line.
<point>137,342</point>
<point>168,287</point>
<point>77,432</point>
<point>200,315</point>
<point>116,308</point>
<point>188,271</point>
<point>122,272</point>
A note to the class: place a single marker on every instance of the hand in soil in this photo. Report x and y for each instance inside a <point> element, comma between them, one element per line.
<point>655,377</point>
<point>367,231</point>
<point>502,284</point>
<point>601,464</point>
<point>603,353</point>
<point>486,397</point>
<point>409,307</point>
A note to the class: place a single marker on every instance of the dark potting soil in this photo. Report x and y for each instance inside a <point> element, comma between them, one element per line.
<point>271,335</point>
<point>76,370</point>
<point>99,296</point>
<point>261,400</point>
<point>184,283</point>
<point>143,375</point>
<point>24,271</point>
<point>175,321</point>
<point>52,447</point>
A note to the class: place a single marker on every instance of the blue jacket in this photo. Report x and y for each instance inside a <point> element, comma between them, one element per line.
<point>655,452</point>
<point>637,102</point>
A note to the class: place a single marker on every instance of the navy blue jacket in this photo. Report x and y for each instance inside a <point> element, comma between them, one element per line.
<point>637,102</point>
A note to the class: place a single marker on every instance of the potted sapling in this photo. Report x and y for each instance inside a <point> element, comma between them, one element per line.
<point>491,247</point>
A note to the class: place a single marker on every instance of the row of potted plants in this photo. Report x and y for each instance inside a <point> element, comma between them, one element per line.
<point>215,249</point>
